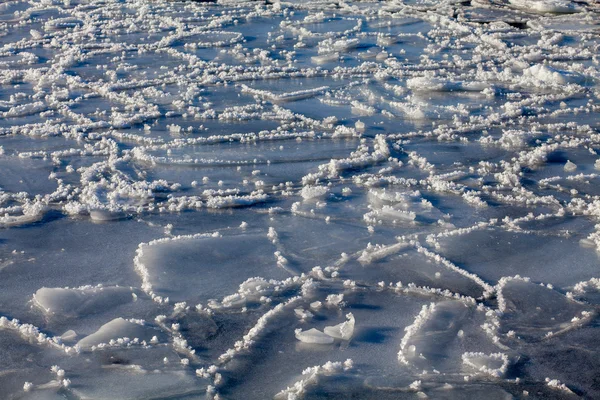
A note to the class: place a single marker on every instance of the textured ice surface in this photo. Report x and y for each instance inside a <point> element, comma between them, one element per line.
<point>214,267</point>
<point>299,199</point>
<point>78,301</point>
<point>120,331</point>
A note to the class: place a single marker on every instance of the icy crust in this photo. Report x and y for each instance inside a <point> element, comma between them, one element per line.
<point>34,335</point>
<point>311,377</point>
<point>121,332</point>
<point>199,254</point>
<point>255,332</point>
<point>439,85</point>
<point>313,336</point>
<point>447,331</point>
<point>316,178</point>
<point>80,301</point>
<point>494,364</point>
<point>342,331</point>
<point>283,97</point>
<point>136,383</point>
<point>541,74</point>
<point>273,351</point>
<point>143,271</point>
<point>546,6</point>
<point>542,314</point>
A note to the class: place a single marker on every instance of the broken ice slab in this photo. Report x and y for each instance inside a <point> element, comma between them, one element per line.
<point>122,332</point>
<point>535,312</point>
<point>313,336</point>
<point>492,254</point>
<point>212,267</point>
<point>75,302</point>
<point>441,334</point>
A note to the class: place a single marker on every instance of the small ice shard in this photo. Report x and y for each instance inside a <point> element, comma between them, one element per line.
<point>69,336</point>
<point>303,314</point>
<point>344,331</point>
<point>316,305</point>
<point>335,299</point>
<point>344,131</point>
<point>62,23</point>
<point>556,384</point>
<point>105,215</point>
<point>386,40</point>
<point>285,97</point>
<point>311,192</point>
<point>359,108</point>
<point>426,84</point>
<point>345,44</point>
<point>367,55</point>
<point>36,34</point>
<point>391,213</point>
<point>121,331</point>
<point>570,166</point>
<point>313,336</point>
<point>382,56</point>
<point>415,386</point>
<point>430,85</point>
<point>325,58</point>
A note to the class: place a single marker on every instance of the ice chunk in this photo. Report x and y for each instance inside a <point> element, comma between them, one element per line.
<point>435,340</point>
<point>69,336</point>
<point>314,336</point>
<point>546,6</point>
<point>311,377</point>
<point>494,364</point>
<point>80,301</point>
<point>120,332</point>
<point>311,192</point>
<point>533,312</point>
<point>344,330</point>
<point>105,215</point>
<point>303,314</point>
<point>345,44</point>
<point>194,277</point>
<point>542,74</point>
<point>174,121</point>
<point>570,166</point>
<point>135,382</point>
<point>325,58</point>
<point>423,84</point>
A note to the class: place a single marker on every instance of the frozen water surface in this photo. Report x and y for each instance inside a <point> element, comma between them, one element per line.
<point>299,199</point>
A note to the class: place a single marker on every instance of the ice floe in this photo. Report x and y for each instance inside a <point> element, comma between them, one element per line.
<point>299,199</point>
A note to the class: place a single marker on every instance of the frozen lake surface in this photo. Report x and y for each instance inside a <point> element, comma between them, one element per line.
<point>299,199</point>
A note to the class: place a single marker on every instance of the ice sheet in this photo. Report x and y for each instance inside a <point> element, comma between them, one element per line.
<point>299,199</point>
